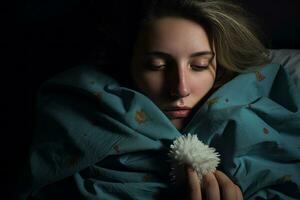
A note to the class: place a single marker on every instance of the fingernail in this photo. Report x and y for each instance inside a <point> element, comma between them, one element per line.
<point>190,169</point>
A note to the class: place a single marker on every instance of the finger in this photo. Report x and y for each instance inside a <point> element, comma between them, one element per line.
<point>194,190</point>
<point>239,195</point>
<point>227,187</point>
<point>211,187</point>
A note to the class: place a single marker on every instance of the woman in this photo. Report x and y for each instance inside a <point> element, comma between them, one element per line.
<point>97,139</point>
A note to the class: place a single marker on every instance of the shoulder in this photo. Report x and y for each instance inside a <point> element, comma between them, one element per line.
<point>80,76</point>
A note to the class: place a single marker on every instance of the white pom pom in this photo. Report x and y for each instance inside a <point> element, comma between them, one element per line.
<point>190,150</point>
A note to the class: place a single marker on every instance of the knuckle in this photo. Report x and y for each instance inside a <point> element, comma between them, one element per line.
<point>227,185</point>
<point>237,187</point>
<point>209,180</point>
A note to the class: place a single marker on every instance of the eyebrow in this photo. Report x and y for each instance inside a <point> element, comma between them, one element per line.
<point>163,54</point>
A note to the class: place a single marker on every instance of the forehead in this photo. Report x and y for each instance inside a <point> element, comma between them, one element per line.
<point>174,35</point>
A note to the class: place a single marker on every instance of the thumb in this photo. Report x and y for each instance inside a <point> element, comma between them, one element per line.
<point>193,184</point>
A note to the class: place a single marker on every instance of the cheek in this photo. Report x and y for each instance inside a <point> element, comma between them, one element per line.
<point>201,84</point>
<point>151,83</point>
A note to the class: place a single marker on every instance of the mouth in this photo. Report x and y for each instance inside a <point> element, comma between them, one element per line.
<point>177,112</point>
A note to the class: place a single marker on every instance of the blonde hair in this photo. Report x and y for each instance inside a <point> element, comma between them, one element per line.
<point>229,28</point>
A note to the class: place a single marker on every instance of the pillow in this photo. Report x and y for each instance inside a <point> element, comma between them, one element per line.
<point>290,60</point>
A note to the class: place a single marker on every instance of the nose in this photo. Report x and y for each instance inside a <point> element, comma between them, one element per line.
<point>179,83</point>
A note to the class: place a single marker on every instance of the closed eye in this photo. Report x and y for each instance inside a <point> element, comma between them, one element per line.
<point>199,67</point>
<point>156,67</point>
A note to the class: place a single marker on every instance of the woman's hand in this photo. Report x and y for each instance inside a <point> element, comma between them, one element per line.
<point>215,186</point>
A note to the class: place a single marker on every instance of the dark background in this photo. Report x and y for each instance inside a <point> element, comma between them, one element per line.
<point>52,36</point>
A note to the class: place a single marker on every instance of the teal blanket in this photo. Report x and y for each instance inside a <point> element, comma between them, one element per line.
<point>98,140</point>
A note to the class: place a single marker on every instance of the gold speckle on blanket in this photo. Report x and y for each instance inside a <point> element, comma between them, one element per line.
<point>147,177</point>
<point>266,131</point>
<point>284,179</point>
<point>97,94</point>
<point>259,76</point>
<point>212,101</point>
<point>140,116</point>
<point>72,162</point>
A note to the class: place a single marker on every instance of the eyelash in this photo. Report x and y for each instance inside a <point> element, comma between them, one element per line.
<point>156,67</point>
<point>162,67</point>
<point>199,67</point>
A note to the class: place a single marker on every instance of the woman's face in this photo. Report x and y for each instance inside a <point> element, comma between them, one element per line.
<point>173,65</point>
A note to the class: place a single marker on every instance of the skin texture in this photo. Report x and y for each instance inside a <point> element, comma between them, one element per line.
<point>163,69</point>
<point>216,186</point>
<point>173,78</point>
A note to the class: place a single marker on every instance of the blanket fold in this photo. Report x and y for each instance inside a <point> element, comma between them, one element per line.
<point>98,140</point>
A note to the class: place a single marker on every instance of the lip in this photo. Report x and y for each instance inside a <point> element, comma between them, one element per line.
<point>177,112</point>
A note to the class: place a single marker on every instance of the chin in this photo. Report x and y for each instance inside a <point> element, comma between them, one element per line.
<point>178,123</point>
